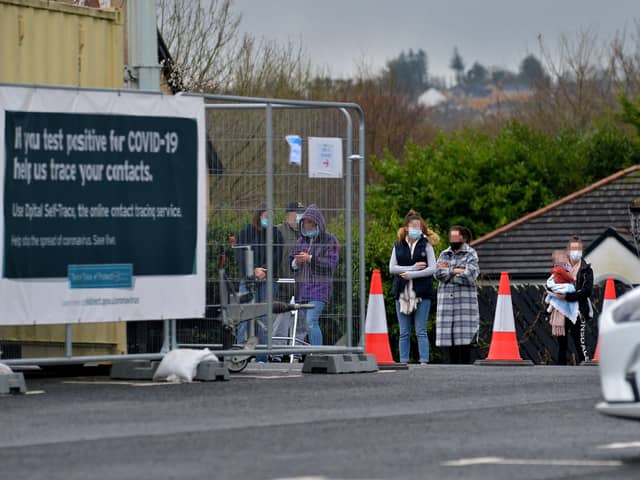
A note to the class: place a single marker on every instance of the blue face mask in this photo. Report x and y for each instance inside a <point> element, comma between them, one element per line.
<point>264,222</point>
<point>414,233</point>
<point>310,233</point>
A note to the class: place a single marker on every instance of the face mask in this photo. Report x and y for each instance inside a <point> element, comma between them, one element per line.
<point>264,222</point>
<point>310,233</point>
<point>414,233</point>
<point>455,245</point>
<point>575,255</point>
<point>298,217</point>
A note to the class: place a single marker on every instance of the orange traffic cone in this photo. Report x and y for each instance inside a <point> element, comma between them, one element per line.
<point>376,334</point>
<point>504,344</point>
<point>609,298</point>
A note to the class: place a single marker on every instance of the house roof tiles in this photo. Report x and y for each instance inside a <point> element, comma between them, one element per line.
<point>523,247</point>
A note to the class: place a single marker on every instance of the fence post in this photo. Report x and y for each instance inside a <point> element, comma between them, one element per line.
<point>270,216</point>
<point>362,220</point>
<point>349,227</point>
<point>68,340</point>
<point>165,337</point>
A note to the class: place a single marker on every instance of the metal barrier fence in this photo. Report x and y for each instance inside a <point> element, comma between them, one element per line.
<point>250,170</point>
<point>249,166</point>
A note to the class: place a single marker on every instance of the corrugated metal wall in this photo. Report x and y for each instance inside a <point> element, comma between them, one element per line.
<point>58,44</point>
<point>48,340</point>
<point>43,42</point>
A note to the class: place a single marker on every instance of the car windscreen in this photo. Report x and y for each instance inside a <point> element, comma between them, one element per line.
<point>628,308</point>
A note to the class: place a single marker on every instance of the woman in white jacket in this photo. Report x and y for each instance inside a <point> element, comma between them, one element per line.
<point>413,264</point>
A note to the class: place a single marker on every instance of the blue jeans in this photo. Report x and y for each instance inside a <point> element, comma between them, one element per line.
<point>419,317</point>
<point>241,329</point>
<point>311,318</point>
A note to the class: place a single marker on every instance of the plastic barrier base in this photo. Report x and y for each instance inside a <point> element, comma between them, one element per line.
<point>340,363</point>
<point>393,366</point>
<point>12,383</point>
<point>504,363</point>
<point>210,371</point>
<point>134,369</point>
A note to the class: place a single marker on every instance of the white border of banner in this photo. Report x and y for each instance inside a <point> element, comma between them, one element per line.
<point>40,301</point>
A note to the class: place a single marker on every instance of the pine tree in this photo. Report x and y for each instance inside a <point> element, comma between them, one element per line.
<point>457,65</point>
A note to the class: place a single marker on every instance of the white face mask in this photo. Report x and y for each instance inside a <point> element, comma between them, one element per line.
<point>575,255</point>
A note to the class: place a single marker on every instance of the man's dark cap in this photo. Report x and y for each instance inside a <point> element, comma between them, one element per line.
<point>295,207</point>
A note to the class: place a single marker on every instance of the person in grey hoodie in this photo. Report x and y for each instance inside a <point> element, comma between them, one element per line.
<point>314,261</point>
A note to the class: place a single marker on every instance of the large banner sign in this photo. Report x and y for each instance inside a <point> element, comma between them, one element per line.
<point>104,206</point>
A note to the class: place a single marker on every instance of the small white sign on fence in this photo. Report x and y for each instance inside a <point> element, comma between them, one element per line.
<point>325,157</point>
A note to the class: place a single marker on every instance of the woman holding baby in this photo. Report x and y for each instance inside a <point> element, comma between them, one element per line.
<point>577,281</point>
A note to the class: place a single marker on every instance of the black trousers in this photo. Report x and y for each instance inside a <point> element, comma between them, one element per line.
<point>578,332</point>
<point>459,354</point>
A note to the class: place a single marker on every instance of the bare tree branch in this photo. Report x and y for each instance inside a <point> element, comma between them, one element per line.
<point>201,36</point>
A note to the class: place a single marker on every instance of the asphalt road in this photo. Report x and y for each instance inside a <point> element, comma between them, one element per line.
<point>444,422</point>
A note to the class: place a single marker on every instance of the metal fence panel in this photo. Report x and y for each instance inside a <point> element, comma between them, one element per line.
<point>249,169</point>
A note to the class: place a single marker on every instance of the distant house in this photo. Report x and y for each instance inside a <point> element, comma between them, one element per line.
<point>598,214</point>
<point>432,98</point>
<point>613,254</point>
<point>470,103</point>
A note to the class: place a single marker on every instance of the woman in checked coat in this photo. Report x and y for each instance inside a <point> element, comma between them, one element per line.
<point>457,316</point>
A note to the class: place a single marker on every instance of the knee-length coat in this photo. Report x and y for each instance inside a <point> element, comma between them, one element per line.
<point>457,316</point>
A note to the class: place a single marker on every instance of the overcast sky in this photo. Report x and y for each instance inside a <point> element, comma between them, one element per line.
<point>340,33</point>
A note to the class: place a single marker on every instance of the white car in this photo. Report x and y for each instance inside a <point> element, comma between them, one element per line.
<point>620,357</point>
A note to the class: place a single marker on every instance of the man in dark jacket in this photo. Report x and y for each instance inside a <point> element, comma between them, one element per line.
<point>290,231</point>
<point>254,235</point>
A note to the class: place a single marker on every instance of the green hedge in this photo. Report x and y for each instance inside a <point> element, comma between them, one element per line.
<point>484,182</point>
